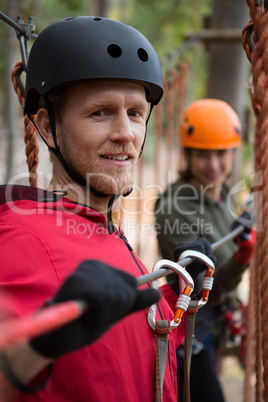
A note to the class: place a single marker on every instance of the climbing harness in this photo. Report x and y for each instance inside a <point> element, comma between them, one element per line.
<point>17,330</point>
<point>163,327</point>
<point>208,279</point>
<point>183,300</point>
<point>186,258</point>
<point>193,308</point>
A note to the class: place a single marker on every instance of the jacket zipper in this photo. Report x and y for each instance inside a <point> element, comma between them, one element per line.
<point>120,234</point>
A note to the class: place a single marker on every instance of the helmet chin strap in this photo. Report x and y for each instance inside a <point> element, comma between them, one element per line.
<point>146,128</point>
<point>72,172</point>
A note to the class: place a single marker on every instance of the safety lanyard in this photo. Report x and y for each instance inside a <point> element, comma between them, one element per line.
<point>162,328</point>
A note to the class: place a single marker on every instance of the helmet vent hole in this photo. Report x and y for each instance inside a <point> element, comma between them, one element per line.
<point>97,19</point>
<point>114,51</point>
<point>190,130</point>
<point>142,54</point>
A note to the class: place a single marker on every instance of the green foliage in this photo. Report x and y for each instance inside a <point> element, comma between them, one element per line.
<point>51,10</point>
<point>164,23</point>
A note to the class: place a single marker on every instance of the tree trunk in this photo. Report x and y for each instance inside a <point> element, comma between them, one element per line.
<point>100,8</point>
<point>228,65</point>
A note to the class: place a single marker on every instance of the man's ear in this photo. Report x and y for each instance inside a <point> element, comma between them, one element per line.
<point>43,124</point>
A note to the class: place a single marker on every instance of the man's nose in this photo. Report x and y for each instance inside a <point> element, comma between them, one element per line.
<point>122,129</point>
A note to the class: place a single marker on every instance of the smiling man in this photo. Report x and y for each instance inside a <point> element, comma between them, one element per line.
<point>91,84</point>
<point>100,137</point>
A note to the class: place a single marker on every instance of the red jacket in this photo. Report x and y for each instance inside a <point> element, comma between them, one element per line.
<point>42,241</point>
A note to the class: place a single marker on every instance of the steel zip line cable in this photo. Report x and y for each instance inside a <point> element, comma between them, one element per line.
<point>14,25</point>
<point>152,276</point>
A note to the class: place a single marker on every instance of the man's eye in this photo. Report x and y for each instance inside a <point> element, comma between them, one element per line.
<point>98,113</point>
<point>134,113</point>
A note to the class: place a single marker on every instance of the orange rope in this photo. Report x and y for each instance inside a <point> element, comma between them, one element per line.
<point>169,125</point>
<point>257,53</point>
<point>166,119</point>
<point>16,330</point>
<point>30,137</point>
<point>181,86</point>
<point>158,128</point>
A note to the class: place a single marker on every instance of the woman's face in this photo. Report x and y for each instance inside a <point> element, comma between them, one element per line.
<point>210,167</point>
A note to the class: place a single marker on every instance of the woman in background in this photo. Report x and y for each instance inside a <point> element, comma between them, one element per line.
<point>198,205</point>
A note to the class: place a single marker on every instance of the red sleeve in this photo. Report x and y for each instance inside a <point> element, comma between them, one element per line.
<point>27,274</point>
<point>27,280</point>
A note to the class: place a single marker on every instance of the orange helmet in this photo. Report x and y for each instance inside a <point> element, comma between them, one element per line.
<point>210,124</point>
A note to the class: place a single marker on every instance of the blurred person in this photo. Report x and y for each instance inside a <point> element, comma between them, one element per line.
<point>197,205</point>
<point>91,83</point>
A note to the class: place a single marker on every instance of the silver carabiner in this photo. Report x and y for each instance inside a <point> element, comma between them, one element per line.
<point>184,298</point>
<point>208,279</point>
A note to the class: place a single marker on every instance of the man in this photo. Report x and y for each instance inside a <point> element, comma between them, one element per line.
<point>92,83</point>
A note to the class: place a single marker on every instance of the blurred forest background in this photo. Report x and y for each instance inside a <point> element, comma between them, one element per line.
<point>202,37</point>
<point>199,45</point>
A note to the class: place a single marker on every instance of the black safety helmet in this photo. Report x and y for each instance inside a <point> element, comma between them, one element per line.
<point>82,48</point>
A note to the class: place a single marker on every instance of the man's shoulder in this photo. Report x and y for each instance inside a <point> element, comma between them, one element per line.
<point>39,209</point>
<point>14,193</point>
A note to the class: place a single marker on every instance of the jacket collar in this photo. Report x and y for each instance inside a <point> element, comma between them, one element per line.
<point>48,200</point>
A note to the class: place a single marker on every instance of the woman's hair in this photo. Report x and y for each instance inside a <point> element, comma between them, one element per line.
<point>185,173</point>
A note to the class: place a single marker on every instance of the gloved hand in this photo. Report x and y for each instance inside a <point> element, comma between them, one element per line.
<point>247,220</point>
<point>111,294</point>
<point>246,240</point>
<point>196,269</point>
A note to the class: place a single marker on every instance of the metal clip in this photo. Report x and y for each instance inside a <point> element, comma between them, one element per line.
<point>208,279</point>
<point>183,300</point>
<point>28,29</point>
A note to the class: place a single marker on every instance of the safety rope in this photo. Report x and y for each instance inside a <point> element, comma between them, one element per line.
<point>169,130</point>
<point>158,129</point>
<point>166,121</point>
<point>30,137</point>
<point>256,48</point>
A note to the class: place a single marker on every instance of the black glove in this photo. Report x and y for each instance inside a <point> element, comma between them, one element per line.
<point>197,269</point>
<point>111,294</point>
<point>247,220</point>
